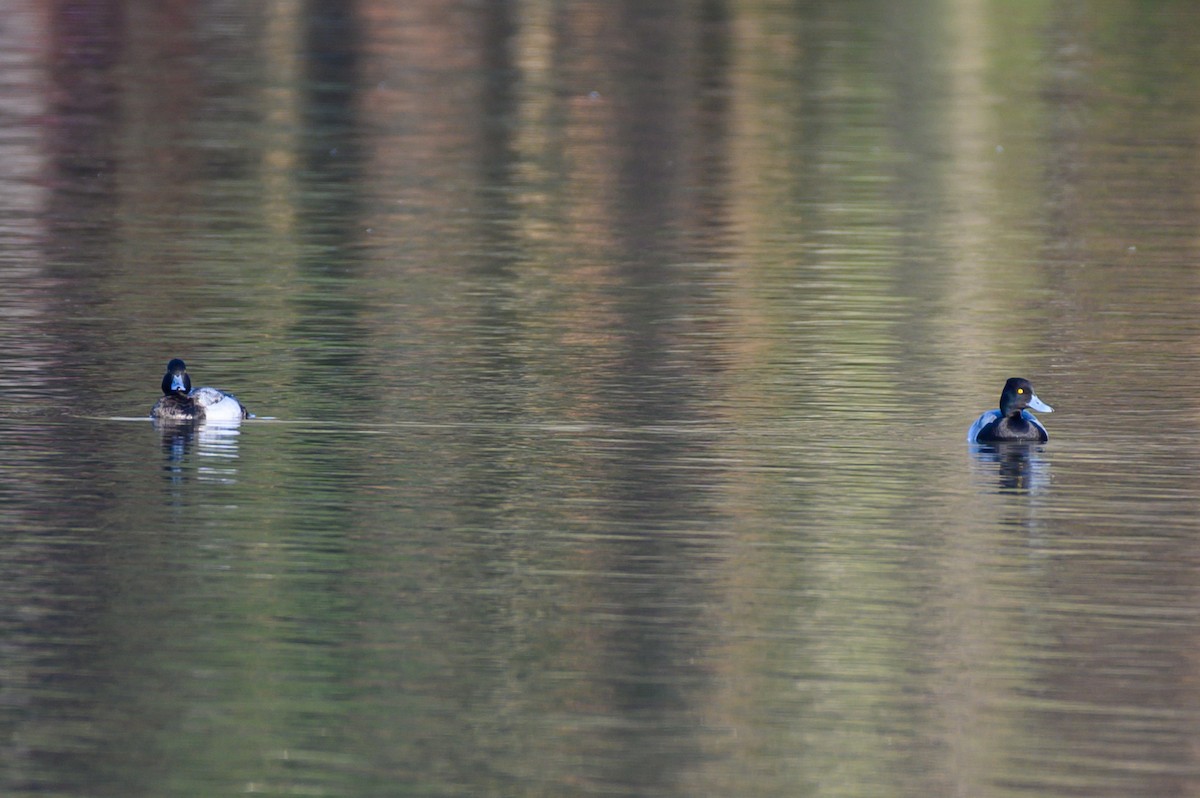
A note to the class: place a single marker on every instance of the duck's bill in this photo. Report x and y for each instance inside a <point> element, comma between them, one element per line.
<point>1039,405</point>
<point>177,383</point>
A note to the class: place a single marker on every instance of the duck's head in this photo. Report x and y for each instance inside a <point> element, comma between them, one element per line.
<point>176,381</point>
<point>1017,395</point>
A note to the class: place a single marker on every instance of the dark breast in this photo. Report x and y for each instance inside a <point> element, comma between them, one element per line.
<point>1012,429</point>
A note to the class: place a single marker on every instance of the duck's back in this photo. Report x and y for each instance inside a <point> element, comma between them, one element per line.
<point>216,405</point>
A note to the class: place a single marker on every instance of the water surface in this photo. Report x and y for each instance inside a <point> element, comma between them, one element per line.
<point>612,367</point>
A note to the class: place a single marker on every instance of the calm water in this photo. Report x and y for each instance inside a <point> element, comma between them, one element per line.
<point>612,366</point>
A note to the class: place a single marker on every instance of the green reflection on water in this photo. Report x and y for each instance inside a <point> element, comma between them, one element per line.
<point>616,368</point>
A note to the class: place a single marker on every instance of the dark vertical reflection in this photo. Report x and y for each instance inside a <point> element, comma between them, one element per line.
<point>713,177</point>
<point>495,325</point>
<point>88,43</point>
<point>329,311</point>
<point>494,356</point>
<point>48,567</point>
<point>333,161</point>
<point>1065,95</point>
<point>332,340</point>
<point>646,658</point>
<point>651,119</point>
<point>497,97</point>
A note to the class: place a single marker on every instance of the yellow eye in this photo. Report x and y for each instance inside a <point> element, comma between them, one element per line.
<point>1020,390</point>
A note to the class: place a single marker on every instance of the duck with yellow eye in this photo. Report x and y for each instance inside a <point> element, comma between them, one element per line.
<point>1013,421</point>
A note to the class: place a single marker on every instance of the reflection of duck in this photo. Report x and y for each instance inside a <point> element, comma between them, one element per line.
<point>180,403</point>
<point>1012,422</point>
<point>216,443</point>
<point>1016,465</point>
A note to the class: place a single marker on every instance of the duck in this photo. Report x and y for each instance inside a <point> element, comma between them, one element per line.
<point>180,402</point>
<point>1012,421</point>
